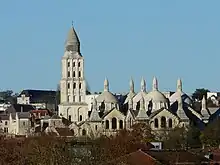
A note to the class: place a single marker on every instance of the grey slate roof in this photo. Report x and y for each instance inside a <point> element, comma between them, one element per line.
<point>19,108</point>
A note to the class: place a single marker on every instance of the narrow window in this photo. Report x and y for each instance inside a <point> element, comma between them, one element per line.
<point>69,117</point>
<point>79,74</point>
<point>163,122</point>
<point>106,124</point>
<point>84,132</point>
<point>80,118</point>
<point>156,123</point>
<point>68,85</point>
<point>6,123</point>
<point>74,64</point>
<point>78,64</point>
<point>121,124</point>
<point>74,98</point>
<point>68,74</point>
<point>170,123</point>
<point>80,85</point>
<point>96,127</point>
<point>74,74</point>
<point>68,64</point>
<point>114,123</point>
<point>68,98</point>
<point>80,98</point>
<point>74,85</point>
<point>23,123</point>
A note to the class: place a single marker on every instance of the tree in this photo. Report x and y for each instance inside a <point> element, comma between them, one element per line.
<point>193,137</point>
<point>176,138</point>
<point>199,93</point>
<point>210,135</point>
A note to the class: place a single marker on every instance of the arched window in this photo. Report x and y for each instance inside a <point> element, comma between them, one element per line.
<point>106,124</point>
<point>121,124</point>
<point>102,106</point>
<point>78,64</point>
<point>114,123</point>
<point>138,105</point>
<point>68,85</point>
<point>156,123</point>
<point>6,123</point>
<point>74,74</point>
<point>80,85</point>
<point>80,118</point>
<point>84,132</point>
<point>69,117</point>
<point>79,74</point>
<point>74,64</point>
<point>163,122</point>
<point>74,85</point>
<point>170,123</point>
<point>96,127</point>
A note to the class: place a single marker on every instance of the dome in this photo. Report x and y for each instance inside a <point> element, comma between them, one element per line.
<point>156,96</point>
<point>107,97</point>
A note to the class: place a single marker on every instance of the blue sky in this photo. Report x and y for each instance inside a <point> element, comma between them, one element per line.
<point>119,39</point>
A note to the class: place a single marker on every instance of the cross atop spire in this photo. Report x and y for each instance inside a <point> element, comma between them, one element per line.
<point>72,23</point>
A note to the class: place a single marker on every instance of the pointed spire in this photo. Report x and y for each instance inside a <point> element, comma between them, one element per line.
<point>142,115</point>
<point>106,85</point>
<point>179,85</point>
<point>204,107</point>
<point>94,116</point>
<point>143,85</point>
<point>131,85</point>
<point>72,41</point>
<point>130,104</point>
<point>155,84</point>
<point>180,102</point>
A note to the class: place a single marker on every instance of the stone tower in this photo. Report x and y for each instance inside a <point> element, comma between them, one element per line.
<point>72,85</point>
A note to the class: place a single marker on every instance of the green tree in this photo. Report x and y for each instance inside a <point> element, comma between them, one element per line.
<point>193,137</point>
<point>210,135</point>
<point>199,93</point>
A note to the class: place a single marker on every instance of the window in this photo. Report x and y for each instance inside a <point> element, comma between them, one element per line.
<point>80,98</point>
<point>74,74</point>
<point>163,122</point>
<point>74,64</point>
<point>68,98</point>
<point>6,130</point>
<point>84,132</point>
<point>68,74</point>
<point>79,74</point>
<point>80,118</point>
<point>68,85</point>
<point>78,64</point>
<point>96,127</point>
<point>68,64</point>
<point>170,123</point>
<point>23,123</point>
<point>121,124</point>
<point>156,123</point>
<point>69,117</point>
<point>114,123</point>
<point>74,85</point>
<point>106,124</point>
<point>80,85</point>
<point>6,123</point>
<point>74,98</point>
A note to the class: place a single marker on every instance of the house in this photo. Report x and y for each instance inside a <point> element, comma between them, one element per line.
<point>41,99</point>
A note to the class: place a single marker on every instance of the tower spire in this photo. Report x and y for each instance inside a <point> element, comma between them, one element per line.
<point>72,42</point>
<point>143,85</point>
<point>155,84</point>
<point>179,85</point>
<point>131,85</point>
<point>106,85</point>
<point>204,103</point>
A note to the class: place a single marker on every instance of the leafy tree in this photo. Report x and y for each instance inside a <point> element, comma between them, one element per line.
<point>210,135</point>
<point>199,93</point>
<point>176,138</point>
<point>193,137</point>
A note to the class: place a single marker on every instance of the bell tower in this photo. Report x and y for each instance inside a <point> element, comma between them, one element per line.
<point>72,83</point>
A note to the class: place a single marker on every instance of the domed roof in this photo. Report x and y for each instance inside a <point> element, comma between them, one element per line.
<point>107,97</point>
<point>155,95</point>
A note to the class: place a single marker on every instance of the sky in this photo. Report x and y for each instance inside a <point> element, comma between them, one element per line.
<point>119,39</point>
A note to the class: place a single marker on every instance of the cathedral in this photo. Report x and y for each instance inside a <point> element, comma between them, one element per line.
<point>104,114</point>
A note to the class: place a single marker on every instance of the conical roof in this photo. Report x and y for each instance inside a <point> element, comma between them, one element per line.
<point>72,42</point>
